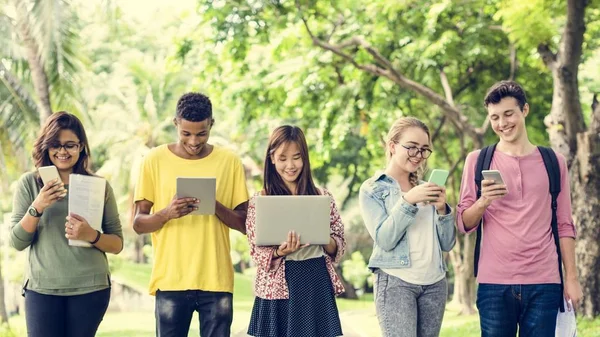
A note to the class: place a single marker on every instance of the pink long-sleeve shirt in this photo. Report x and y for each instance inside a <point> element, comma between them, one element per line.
<point>517,246</point>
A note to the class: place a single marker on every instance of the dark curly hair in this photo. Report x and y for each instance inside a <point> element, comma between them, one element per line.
<point>193,107</point>
<point>504,89</point>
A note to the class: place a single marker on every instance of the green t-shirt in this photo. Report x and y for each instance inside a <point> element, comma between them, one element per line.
<point>55,268</point>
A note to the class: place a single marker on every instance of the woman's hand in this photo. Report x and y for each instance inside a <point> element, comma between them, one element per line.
<point>77,228</point>
<point>440,202</point>
<point>427,192</point>
<point>291,245</point>
<point>49,194</point>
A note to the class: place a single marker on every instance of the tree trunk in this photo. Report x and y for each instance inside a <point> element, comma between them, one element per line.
<point>585,186</point>
<point>3,314</point>
<point>580,147</point>
<point>350,292</point>
<point>464,281</point>
<point>34,59</point>
<point>139,249</point>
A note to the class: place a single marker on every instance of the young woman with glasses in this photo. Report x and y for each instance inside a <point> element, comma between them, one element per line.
<point>411,224</point>
<point>67,288</point>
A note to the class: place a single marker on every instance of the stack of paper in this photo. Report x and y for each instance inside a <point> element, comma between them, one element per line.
<point>566,324</point>
<point>86,199</point>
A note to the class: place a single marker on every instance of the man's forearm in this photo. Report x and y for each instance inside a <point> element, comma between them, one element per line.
<point>148,223</point>
<point>472,215</point>
<point>567,250</point>
<point>234,219</point>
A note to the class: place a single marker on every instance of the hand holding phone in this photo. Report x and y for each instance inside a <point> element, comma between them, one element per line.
<point>48,174</point>
<point>492,186</point>
<point>427,192</point>
<point>53,189</point>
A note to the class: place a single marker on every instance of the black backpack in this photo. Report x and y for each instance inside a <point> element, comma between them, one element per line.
<point>551,163</point>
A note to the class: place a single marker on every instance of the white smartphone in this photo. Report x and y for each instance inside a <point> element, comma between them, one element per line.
<point>48,173</point>
<point>493,175</point>
<point>438,177</point>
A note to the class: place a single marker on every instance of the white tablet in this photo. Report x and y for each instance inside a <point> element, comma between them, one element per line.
<point>203,189</point>
<point>276,215</point>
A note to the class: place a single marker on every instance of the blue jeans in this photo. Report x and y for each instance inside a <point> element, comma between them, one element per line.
<point>65,316</point>
<point>174,310</point>
<point>533,307</point>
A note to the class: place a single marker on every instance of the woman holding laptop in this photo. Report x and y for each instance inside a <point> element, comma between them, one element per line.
<point>295,283</point>
<point>67,289</point>
<point>411,225</point>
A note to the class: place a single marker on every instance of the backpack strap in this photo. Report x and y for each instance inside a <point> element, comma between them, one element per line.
<point>484,160</point>
<point>551,163</point>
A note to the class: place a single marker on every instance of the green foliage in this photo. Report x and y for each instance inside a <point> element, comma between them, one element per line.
<point>355,270</point>
<point>346,112</point>
<point>5,331</point>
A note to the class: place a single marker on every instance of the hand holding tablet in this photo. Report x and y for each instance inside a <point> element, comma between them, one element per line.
<point>201,189</point>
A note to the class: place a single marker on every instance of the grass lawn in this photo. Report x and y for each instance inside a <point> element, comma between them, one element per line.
<point>359,315</point>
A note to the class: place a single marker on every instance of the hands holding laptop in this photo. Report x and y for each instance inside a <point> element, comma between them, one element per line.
<point>291,245</point>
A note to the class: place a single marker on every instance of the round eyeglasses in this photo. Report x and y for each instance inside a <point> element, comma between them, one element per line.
<point>413,151</point>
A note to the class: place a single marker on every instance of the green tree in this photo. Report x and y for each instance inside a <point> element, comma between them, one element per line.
<point>372,63</point>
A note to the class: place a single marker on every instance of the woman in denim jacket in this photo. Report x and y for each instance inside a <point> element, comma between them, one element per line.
<point>411,225</point>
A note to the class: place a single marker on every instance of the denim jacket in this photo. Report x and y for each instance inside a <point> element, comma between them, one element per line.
<point>387,217</point>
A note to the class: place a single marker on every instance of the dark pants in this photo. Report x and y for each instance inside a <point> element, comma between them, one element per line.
<point>65,316</point>
<point>174,310</point>
<point>533,307</point>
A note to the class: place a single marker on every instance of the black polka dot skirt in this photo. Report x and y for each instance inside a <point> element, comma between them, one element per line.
<point>311,310</point>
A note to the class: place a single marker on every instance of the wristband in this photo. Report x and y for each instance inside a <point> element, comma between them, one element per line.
<point>277,255</point>
<point>97,238</point>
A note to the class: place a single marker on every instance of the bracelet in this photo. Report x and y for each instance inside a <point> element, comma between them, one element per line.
<point>97,238</point>
<point>277,255</point>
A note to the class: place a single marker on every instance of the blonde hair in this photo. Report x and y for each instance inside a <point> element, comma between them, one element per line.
<point>394,135</point>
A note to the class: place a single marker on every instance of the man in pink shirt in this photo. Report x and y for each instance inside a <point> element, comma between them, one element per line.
<point>519,282</point>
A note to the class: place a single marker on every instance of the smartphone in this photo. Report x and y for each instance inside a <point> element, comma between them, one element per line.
<point>493,175</point>
<point>438,177</point>
<point>48,173</point>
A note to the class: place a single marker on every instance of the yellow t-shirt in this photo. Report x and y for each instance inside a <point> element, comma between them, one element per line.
<point>192,252</point>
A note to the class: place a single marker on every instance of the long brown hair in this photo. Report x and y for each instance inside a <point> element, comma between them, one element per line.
<point>49,135</point>
<point>394,135</point>
<point>273,183</point>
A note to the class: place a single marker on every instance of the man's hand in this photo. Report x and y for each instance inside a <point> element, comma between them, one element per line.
<point>491,191</point>
<point>573,293</point>
<point>179,207</point>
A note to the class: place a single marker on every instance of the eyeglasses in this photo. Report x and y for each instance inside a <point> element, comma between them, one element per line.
<point>69,147</point>
<point>413,151</point>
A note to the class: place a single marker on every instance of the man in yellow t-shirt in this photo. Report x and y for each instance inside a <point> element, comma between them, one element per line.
<point>192,268</point>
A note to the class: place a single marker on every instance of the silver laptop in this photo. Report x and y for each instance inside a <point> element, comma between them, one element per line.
<point>276,215</point>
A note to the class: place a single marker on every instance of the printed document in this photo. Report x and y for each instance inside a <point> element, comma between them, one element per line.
<point>86,199</point>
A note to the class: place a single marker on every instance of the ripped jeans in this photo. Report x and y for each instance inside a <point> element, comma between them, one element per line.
<point>174,310</point>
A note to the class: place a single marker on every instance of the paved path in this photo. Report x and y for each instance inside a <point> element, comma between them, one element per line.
<point>350,324</point>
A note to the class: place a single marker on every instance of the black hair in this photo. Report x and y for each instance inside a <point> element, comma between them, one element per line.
<point>193,107</point>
